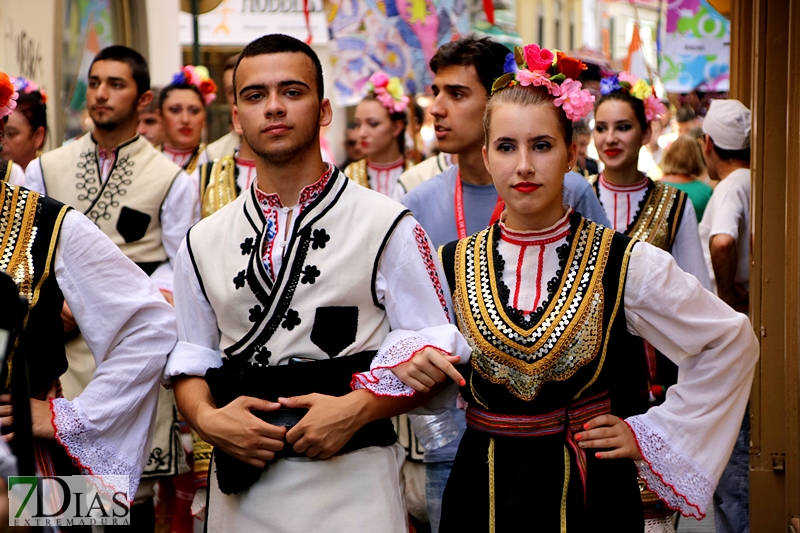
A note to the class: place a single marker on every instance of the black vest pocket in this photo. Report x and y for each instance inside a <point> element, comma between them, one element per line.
<point>335,328</point>
<point>132,224</point>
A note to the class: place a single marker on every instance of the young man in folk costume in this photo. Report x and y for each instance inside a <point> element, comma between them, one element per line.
<point>460,201</point>
<point>55,253</point>
<point>142,201</point>
<point>281,297</point>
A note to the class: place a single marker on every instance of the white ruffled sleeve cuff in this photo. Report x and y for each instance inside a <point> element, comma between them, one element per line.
<point>93,455</point>
<point>190,360</point>
<point>676,478</point>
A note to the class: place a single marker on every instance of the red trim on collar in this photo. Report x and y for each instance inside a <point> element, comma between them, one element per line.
<point>634,187</point>
<point>386,166</point>
<point>307,195</point>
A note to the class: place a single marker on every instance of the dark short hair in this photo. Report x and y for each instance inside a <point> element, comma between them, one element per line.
<point>486,55</point>
<point>635,103</point>
<point>137,63</point>
<point>277,43</point>
<point>230,63</point>
<point>685,114</point>
<point>731,155</point>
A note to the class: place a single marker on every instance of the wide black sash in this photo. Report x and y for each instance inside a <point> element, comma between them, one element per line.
<point>328,376</point>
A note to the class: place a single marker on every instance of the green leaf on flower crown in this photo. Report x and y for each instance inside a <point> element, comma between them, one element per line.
<point>558,78</point>
<point>502,81</point>
<point>519,56</point>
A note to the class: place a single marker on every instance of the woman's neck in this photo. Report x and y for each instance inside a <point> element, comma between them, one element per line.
<point>623,176</point>
<point>390,155</point>
<point>178,148</point>
<point>541,220</point>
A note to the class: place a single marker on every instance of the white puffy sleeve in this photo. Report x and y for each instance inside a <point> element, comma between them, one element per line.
<point>412,287</point>
<point>686,441</point>
<point>197,349</point>
<point>180,211</point>
<point>130,330</point>
<point>687,250</point>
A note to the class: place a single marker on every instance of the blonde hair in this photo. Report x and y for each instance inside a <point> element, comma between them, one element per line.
<point>527,95</point>
<point>684,157</point>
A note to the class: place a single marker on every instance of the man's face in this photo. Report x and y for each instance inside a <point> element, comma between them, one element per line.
<point>150,126</point>
<point>458,105</point>
<point>583,140</point>
<point>227,85</point>
<point>111,97</point>
<point>685,127</point>
<point>277,109</point>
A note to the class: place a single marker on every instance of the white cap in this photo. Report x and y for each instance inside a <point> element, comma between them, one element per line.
<point>728,124</point>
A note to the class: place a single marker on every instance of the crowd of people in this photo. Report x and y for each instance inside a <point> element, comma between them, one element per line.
<point>235,326</point>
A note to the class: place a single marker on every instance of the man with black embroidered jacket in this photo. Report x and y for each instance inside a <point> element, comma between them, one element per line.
<point>141,200</point>
<point>281,297</point>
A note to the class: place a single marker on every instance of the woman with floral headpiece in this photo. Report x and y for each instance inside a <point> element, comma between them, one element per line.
<point>26,130</point>
<point>548,300</point>
<point>9,171</point>
<point>182,105</point>
<point>380,124</point>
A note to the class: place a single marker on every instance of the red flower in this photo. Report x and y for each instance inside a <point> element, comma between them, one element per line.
<point>6,89</point>
<point>208,86</point>
<point>569,66</point>
<point>537,58</point>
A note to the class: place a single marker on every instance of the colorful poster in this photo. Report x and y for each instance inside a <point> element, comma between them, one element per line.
<point>696,48</point>
<point>396,36</point>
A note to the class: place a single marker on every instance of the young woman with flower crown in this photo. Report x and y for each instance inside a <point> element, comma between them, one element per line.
<point>182,104</point>
<point>547,300</point>
<point>380,123</point>
<point>26,130</point>
<point>10,171</point>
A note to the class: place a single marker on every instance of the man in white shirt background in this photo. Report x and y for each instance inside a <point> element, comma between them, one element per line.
<point>725,236</point>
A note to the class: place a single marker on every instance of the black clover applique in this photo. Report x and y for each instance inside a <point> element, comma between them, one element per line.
<point>238,281</point>
<point>310,274</point>
<point>247,246</point>
<point>254,312</point>
<point>291,319</point>
<point>320,239</point>
<point>263,355</point>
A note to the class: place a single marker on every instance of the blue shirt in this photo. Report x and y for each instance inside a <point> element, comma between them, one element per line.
<point>433,204</point>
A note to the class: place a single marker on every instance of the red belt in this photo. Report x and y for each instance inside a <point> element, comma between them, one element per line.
<point>569,420</point>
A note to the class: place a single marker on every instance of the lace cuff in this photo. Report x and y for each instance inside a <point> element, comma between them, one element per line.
<point>89,452</point>
<point>678,480</point>
<point>380,380</point>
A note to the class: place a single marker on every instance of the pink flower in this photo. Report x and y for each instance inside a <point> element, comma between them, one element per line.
<point>653,108</point>
<point>379,79</point>
<point>537,79</point>
<point>575,102</point>
<point>537,58</point>
<point>627,76</point>
<point>384,98</point>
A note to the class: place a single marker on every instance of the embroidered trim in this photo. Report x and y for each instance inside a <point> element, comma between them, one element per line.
<point>88,451</point>
<point>269,201</point>
<point>380,380</point>
<point>89,179</point>
<point>430,266</point>
<point>554,347</point>
<point>677,479</point>
<point>118,181</point>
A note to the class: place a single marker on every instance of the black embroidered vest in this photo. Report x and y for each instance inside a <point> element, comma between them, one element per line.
<point>31,225</point>
<point>569,349</point>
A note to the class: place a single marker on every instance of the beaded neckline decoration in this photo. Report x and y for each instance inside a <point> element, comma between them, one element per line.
<point>566,336</point>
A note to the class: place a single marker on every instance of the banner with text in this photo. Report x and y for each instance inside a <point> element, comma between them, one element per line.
<point>696,48</point>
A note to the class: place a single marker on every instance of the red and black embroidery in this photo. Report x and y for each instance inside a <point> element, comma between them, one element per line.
<point>430,266</point>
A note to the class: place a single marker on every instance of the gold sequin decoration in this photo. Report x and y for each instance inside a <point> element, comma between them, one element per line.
<point>567,337</point>
<point>221,187</point>
<point>357,171</point>
<point>652,225</point>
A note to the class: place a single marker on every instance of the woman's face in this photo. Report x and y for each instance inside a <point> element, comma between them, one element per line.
<point>183,116</point>
<point>618,136</point>
<point>527,157</point>
<point>21,142</point>
<point>377,133</point>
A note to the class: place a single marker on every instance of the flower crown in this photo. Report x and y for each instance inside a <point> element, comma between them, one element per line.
<point>388,91</point>
<point>638,88</point>
<point>8,95</point>
<point>199,77</point>
<point>26,86</point>
<point>558,73</point>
